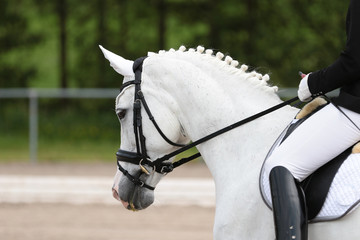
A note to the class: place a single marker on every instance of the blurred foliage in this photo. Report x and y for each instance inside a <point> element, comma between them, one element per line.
<point>278,36</point>
<point>74,132</point>
<point>55,44</point>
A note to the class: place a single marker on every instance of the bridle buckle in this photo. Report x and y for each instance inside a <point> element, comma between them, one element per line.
<point>166,168</point>
<point>144,169</point>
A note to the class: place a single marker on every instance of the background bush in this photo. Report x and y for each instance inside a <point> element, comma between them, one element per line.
<point>54,44</point>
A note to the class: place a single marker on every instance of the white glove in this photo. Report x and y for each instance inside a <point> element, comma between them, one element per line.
<point>304,93</point>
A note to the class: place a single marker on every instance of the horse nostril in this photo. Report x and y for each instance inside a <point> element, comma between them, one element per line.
<point>115,194</point>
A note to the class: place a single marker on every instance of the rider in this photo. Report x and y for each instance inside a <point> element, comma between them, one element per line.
<point>320,138</point>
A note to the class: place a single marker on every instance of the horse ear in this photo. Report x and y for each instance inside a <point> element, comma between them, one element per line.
<point>120,64</point>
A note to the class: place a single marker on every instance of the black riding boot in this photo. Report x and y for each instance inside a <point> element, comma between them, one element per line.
<point>289,206</point>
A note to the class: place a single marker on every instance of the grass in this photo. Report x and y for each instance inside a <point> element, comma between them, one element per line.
<point>80,151</point>
<point>70,131</point>
<point>78,133</point>
<point>16,149</point>
<point>13,148</point>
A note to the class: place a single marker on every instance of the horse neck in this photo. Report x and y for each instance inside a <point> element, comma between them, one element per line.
<point>208,102</point>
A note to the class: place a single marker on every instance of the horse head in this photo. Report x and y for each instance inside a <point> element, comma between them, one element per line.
<point>136,176</point>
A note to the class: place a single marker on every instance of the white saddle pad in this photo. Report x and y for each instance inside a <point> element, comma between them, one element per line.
<point>344,192</point>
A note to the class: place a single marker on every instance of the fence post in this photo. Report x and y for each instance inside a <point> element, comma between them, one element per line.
<point>33,125</point>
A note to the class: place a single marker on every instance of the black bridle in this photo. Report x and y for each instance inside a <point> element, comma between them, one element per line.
<point>140,157</point>
<point>161,165</point>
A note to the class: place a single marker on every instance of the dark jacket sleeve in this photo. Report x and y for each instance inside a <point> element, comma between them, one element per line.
<point>346,69</point>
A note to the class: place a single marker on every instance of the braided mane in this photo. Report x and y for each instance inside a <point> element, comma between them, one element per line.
<point>225,65</point>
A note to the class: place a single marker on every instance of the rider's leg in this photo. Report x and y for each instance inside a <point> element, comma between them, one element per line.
<point>319,139</point>
<point>288,201</point>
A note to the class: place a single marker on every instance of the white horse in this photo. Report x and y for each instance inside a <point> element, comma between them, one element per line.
<point>192,94</point>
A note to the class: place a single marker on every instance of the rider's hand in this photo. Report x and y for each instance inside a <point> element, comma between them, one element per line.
<point>304,93</point>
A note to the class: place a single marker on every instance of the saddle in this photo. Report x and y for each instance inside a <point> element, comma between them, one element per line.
<point>333,190</point>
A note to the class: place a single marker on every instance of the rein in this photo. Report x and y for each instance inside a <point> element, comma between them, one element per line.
<point>160,165</point>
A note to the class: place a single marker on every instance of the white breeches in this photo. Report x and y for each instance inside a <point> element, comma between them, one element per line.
<point>316,141</point>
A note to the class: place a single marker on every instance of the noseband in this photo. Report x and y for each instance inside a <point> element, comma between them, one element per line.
<point>160,165</point>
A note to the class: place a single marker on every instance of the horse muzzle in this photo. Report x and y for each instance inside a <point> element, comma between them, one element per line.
<point>131,196</point>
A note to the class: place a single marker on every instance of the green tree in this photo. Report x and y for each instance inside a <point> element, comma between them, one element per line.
<point>279,37</point>
<point>15,39</point>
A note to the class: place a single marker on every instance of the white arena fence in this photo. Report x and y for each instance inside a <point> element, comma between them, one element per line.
<point>33,94</point>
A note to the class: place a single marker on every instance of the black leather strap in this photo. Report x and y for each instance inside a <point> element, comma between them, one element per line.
<point>133,179</point>
<point>126,84</point>
<point>152,119</point>
<point>338,107</point>
<point>224,130</point>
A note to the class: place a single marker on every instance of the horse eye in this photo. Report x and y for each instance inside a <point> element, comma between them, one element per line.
<point>121,114</point>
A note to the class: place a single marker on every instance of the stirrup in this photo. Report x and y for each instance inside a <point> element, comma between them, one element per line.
<point>289,206</point>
